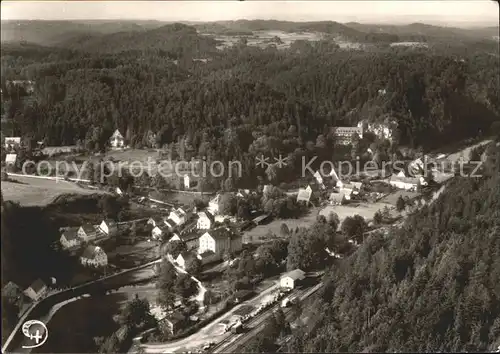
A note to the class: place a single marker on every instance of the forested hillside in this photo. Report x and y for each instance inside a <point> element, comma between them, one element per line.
<point>432,286</point>
<point>311,86</point>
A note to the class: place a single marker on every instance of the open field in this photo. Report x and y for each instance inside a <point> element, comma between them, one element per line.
<point>255,234</point>
<point>393,197</point>
<point>40,192</point>
<point>363,209</point>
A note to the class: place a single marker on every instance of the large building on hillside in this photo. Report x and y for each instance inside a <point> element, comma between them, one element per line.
<point>344,135</point>
<point>218,242</point>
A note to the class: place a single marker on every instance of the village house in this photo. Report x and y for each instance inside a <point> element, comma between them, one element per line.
<point>219,241</point>
<point>109,227</point>
<point>158,231</point>
<point>12,142</point>
<point>406,183</point>
<point>337,198</point>
<point>291,279</point>
<point>205,220</point>
<point>116,140</point>
<point>94,256</point>
<point>184,258</point>
<point>10,159</point>
<point>178,216</point>
<point>344,135</point>
<point>214,205</point>
<point>189,239</point>
<point>175,237</point>
<point>69,238</point>
<point>304,194</point>
<point>87,232</point>
<point>36,290</point>
<point>174,322</point>
<point>118,191</point>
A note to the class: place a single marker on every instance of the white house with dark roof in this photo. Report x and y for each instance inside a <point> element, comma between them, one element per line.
<point>219,241</point>
<point>69,238</point>
<point>36,290</point>
<point>304,194</point>
<point>205,220</point>
<point>158,232</point>
<point>184,258</point>
<point>87,232</point>
<point>117,141</point>
<point>109,227</point>
<point>94,256</point>
<point>292,278</point>
<point>178,216</point>
<point>214,205</point>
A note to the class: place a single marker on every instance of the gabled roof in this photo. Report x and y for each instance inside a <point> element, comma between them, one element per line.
<point>38,285</point>
<point>296,274</point>
<point>206,214</point>
<point>216,199</point>
<point>70,234</point>
<point>157,219</point>
<point>304,194</point>
<point>110,222</point>
<point>220,233</point>
<point>88,229</point>
<point>91,252</point>
<point>117,134</point>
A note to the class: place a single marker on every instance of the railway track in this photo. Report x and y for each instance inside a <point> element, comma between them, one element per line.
<point>233,342</point>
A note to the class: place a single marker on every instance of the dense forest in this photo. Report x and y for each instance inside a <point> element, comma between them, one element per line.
<point>431,286</point>
<point>147,80</point>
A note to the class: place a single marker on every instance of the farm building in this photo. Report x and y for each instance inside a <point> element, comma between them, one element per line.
<point>36,290</point>
<point>292,278</point>
<point>174,322</point>
<point>87,232</point>
<point>69,238</point>
<point>94,256</point>
<point>109,227</point>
